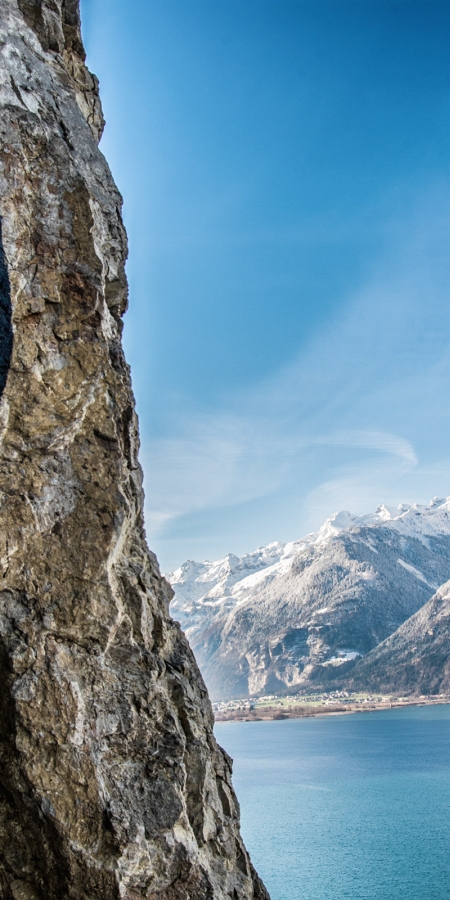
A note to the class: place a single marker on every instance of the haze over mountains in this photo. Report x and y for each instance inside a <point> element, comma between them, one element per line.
<point>337,606</point>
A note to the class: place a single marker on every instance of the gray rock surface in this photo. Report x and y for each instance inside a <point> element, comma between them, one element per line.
<point>296,616</point>
<point>111,782</point>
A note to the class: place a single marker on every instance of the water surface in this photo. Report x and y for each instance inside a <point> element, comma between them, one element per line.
<point>352,807</point>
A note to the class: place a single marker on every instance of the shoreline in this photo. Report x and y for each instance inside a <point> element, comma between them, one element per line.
<point>299,711</point>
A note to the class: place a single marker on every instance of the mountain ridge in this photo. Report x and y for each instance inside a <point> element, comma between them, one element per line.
<point>416,657</point>
<point>289,614</point>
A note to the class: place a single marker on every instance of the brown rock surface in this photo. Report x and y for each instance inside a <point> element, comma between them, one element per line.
<point>111,782</point>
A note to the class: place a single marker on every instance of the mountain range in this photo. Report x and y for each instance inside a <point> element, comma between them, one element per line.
<point>362,602</point>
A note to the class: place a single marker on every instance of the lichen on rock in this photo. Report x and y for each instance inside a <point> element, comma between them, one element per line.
<point>111,782</point>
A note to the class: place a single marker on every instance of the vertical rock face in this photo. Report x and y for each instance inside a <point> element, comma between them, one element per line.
<point>111,782</point>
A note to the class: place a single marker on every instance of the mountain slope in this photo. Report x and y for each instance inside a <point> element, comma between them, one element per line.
<point>288,614</point>
<point>416,658</point>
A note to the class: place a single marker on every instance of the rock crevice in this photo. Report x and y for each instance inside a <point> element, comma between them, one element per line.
<point>5,318</point>
<point>111,782</point>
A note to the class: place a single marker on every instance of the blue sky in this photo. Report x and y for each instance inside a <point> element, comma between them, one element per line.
<point>285,167</point>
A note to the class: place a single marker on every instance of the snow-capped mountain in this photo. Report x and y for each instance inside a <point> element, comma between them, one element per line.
<point>289,614</point>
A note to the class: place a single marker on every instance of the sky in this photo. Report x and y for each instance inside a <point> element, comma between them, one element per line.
<point>285,168</point>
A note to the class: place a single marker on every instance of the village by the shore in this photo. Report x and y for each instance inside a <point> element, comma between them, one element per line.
<point>273,706</point>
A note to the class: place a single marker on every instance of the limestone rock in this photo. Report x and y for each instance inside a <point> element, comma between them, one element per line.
<point>111,782</point>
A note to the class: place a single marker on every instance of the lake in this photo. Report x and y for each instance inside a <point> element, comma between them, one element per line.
<point>353,807</point>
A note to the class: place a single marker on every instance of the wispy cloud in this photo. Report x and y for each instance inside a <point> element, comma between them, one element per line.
<point>222,461</point>
<point>362,411</point>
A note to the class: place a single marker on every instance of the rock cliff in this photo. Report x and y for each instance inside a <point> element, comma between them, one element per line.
<point>111,782</point>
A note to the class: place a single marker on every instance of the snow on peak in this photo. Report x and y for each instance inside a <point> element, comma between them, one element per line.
<point>340,521</point>
<point>229,579</point>
<point>416,520</point>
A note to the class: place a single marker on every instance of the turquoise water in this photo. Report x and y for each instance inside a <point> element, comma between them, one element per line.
<point>347,808</point>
